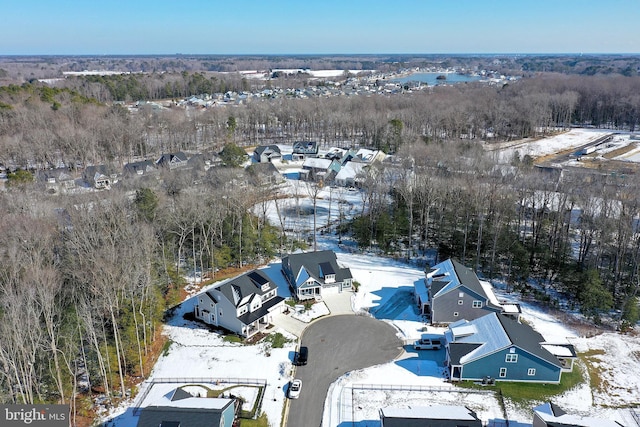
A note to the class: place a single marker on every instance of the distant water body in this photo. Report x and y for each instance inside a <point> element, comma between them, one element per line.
<point>432,78</point>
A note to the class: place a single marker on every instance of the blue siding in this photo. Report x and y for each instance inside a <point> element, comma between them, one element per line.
<point>491,364</point>
<point>227,416</point>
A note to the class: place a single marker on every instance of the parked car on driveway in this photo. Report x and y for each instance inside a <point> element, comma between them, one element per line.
<point>427,342</point>
<point>294,388</point>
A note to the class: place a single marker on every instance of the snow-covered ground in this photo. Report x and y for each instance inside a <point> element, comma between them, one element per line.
<point>413,380</point>
<point>564,141</point>
<point>385,292</point>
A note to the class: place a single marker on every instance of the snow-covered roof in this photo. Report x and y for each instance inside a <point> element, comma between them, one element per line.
<point>350,170</point>
<point>559,350</point>
<point>488,331</point>
<point>439,412</point>
<point>547,413</point>
<point>316,163</point>
<point>488,290</point>
<point>181,399</point>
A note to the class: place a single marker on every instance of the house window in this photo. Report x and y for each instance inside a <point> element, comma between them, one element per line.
<point>456,314</point>
<point>460,294</point>
<point>477,304</point>
<point>460,302</point>
<point>503,372</point>
<point>531,371</point>
<point>511,358</point>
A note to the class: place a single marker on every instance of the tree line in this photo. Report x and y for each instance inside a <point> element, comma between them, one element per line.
<point>40,131</point>
<point>86,280</point>
<point>572,233</point>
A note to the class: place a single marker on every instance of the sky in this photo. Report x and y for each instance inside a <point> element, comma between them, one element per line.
<point>130,27</point>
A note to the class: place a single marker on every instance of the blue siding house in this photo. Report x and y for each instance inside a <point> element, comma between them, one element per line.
<point>500,348</point>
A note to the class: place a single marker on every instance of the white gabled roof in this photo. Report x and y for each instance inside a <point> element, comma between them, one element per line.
<point>558,350</point>
<point>487,331</point>
<point>316,163</point>
<point>350,170</point>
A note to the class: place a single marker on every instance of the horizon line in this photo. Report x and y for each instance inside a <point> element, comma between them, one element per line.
<point>322,54</point>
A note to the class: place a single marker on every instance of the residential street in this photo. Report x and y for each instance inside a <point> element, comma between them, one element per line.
<point>337,345</point>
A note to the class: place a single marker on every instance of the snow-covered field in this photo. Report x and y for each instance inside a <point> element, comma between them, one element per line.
<point>564,141</point>
<point>356,397</point>
<point>413,380</point>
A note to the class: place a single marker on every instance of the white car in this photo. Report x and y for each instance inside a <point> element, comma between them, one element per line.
<point>294,388</point>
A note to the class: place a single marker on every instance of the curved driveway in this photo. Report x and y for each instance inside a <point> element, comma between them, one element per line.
<point>337,345</point>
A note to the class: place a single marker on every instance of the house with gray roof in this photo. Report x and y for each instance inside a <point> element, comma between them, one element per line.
<point>266,153</point>
<point>498,347</point>
<point>551,415</point>
<point>141,168</point>
<point>243,305</point>
<point>309,273</point>
<point>451,292</point>
<point>303,149</point>
<point>101,177</point>
<point>172,160</point>
<point>180,408</point>
<point>429,416</point>
<point>56,179</point>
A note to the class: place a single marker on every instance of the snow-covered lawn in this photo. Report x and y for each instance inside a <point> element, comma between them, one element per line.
<point>385,292</point>
<point>415,379</point>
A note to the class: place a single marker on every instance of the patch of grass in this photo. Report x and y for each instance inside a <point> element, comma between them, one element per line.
<point>261,421</point>
<point>521,393</point>
<point>233,339</point>
<point>591,359</point>
<point>165,347</point>
<point>277,340</point>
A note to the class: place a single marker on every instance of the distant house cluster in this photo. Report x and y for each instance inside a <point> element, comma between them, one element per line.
<point>340,167</point>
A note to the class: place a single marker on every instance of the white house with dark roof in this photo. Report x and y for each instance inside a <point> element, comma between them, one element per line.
<point>498,347</point>
<point>243,305</point>
<point>267,153</point>
<point>451,292</point>
<point>309,273</point>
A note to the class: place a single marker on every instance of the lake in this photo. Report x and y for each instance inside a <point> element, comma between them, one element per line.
<point>431,78</point>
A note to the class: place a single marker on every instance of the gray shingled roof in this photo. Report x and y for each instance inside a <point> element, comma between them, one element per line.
<point>235,290</point>
<point>312,262</point>
<point>525,337</point>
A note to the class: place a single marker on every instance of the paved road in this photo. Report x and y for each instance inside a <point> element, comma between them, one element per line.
<point>338,344</point>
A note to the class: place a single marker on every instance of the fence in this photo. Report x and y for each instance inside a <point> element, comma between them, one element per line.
<point>410,387</point>
<point>201,380</point>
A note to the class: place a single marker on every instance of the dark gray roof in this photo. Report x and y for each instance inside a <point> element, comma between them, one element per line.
<point>459,349</point>
<point>144,166</point>
<point>235,290</point>
<point>262,148</point>
<point>525,337</point>
<point>179,394</point>
<point>154,416</point>
<point>312,262</point>
<point>249,318</point>
<point>172,158</point>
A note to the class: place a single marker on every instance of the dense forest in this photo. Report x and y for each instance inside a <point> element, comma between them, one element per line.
<point>86,278</point>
